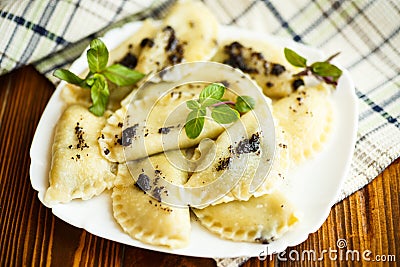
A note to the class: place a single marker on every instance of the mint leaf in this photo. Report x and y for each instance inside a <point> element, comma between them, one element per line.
<point>69,77</point>
<point>195,123</point>
<point>90,81</point>
<point>194,127</point>
<point>221,109</point>
<point>96,80</point>
<point>121,75</point>
<point>209,102</point>
<point>192,104</point>
<point>244,103</point>
<point>224,114</point>
<point>213,91</point>
<point>97,56</point>
<point>294,58</point>
<point>322,70</point>
<point>326,69</point>
<point>99,94</point>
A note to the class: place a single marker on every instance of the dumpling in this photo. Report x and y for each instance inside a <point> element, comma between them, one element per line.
<point>110,140</point>
<point>77,169</point>
<point>279,170</point>
<point>165,49</point>
<point>150,221</point>
<point>153,124</point>
<point>240,154</point>
<point>307,118</point>
<point>189,33</point>
<point>262,219</point>
<point>276,79</point>
<point>197,27</point>
<point>144,217</point>
<point>154,167</point>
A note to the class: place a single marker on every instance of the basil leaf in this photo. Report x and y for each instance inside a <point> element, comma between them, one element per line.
<point>121,75</point>
<point>90,81</point>
<point>224,114</point>
<point>209,102</point>
<point>97,56</point>
<point>213,91</point>
<point>69,77</point>
<point>195,123</point>
<point>244,103</point>
<point>192,104</point>
<point>99,94</point>
<point>201,112</point>
<point>326,69</point>
<point>194,127</point>
<point>294,58</point>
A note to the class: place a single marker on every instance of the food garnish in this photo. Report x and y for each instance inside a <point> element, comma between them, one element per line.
<point>99,75</point>
<point>222,111</point>
<point>322,70</point>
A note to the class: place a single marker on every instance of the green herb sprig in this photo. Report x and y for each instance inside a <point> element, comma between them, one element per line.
<point>99,75</point>
<point>322,70</point>
<point>222,111</point>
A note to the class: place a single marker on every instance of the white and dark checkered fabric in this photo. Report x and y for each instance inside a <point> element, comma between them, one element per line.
<point>51,34</point>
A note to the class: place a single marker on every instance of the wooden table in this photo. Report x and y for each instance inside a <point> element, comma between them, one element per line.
<point>31,235</point>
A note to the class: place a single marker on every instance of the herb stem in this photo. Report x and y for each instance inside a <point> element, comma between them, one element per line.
<point>332,57</point>
<point>305,72</point>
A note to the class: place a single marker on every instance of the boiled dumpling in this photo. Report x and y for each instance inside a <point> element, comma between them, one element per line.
<point>155,124</point>
<point>143,216</point>
<point>307,118</point>
<point>279,170</point>
<point>230,168</point>
<point>197,27</point>
<point>262,219</point>
<point>189,33</point>
<point>77,169</point>
<point>162,51</point>
<point>276,79</point>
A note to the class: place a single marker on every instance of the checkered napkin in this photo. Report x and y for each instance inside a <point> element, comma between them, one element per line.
<point>51,34</point>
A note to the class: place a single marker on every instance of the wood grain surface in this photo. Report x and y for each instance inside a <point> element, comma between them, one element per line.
<point>367,222</point>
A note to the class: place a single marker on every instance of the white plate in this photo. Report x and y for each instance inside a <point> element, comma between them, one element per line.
<point>315,185</point>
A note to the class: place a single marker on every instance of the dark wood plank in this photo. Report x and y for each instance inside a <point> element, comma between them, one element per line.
<point>23,221</point>
<point>368,220</point>
<point>141,257</point>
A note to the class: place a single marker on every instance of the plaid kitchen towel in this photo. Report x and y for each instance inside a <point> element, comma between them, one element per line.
<point>34,29</point>
<point>51,34</point>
